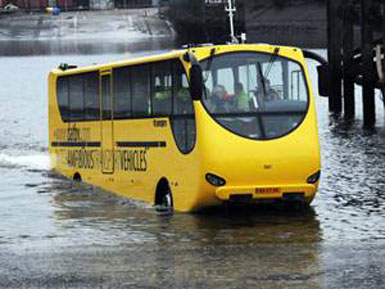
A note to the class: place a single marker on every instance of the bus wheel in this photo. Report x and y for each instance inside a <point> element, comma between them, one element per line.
<point>77,178</point>
<point>163,198</point>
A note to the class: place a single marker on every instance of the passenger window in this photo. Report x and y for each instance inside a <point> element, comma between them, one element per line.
<point>106,97</point>
<point>91,96</point>
<point>274,73</point>
<point>182,98</point>
<point>183,119</point>
<point>141,91</point>
<point>62,98</point>
<point>161,88</point>
<point>122,93</point>
<point>298,90</point>
<point>76,99</point>
<point>226,78</point>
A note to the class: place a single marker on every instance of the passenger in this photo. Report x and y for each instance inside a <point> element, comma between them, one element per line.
<point>267,94</point>
<point>220,99</point>
<point>241,101</point>
<point>182,98</point>
<point>162,100</point>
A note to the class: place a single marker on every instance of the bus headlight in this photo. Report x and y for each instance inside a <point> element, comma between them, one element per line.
<point>314,178</point>
<point>215,180</point>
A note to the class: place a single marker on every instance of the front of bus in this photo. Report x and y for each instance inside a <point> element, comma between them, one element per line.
<point>256,125</point>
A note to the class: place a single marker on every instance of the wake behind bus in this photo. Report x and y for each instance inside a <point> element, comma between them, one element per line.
<point>192,128</point>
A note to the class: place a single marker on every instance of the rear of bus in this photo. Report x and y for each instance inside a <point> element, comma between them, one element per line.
<point>256,125</point>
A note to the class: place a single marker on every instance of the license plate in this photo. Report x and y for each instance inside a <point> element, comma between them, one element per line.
<point>267,190</point>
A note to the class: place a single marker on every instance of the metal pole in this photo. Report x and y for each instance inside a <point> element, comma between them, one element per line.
<point>230,9</point>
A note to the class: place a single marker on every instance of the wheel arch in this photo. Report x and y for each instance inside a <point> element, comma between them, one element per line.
<point>77,177</point>
<point>162,188</point>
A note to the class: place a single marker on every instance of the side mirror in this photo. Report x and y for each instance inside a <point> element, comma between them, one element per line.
<point>323,71</point>
<point>323,80</point>
<point>196,81</point>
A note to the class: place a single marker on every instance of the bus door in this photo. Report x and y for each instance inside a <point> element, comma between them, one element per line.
<point>106,123</point>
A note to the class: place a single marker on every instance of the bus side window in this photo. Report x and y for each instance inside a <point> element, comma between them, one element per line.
<point>91,96</point>
<point>298,91</point>
<point>183,119</point>
<point>161,88</point>
<point>106,97</point>
<point>181,91</point>
<point>76,98</point>
<point>122,92</point>
<point>140,79</point>
<point>62,97</point>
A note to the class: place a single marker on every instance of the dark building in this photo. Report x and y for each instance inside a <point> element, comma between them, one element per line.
<point>285,22</point>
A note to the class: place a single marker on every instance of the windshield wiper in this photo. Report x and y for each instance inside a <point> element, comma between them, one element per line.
<point>261,79</point>
<point>262,82</point>
<point>271,61</point>
<point>208,66</point>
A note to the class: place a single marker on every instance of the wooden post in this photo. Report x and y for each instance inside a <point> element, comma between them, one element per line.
<point>383,25</point>
<point>348,53</point>
<point>368,72</point>
<point>383,46</point>
<point>334,55</point>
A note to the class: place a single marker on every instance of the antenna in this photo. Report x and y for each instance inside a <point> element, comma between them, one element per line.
<point>231,10</point>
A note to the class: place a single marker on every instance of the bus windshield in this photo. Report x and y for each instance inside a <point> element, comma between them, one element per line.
<point>255,95</point>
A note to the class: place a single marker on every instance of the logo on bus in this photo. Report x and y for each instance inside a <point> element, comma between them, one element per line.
<point>133,160</point>
<point>82,159</point>
<point>72,134</point>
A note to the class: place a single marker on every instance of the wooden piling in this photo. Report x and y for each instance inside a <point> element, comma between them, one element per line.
<point>348,53</point>
<point>383,25</point>
<point>334,54</point>
<point>367,66</point>
<point>382,85</point>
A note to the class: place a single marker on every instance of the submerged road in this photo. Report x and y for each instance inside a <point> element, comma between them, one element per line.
<point>87,238</point>
<point>177,264</point>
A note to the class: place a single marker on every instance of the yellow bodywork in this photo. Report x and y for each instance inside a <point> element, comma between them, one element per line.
<point>275,166</point>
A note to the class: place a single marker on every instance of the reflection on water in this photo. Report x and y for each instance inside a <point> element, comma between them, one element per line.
<point>88,206</point>
<point>214,249</point>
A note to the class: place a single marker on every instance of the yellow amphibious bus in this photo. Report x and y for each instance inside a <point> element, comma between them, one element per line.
<point>189,129</point>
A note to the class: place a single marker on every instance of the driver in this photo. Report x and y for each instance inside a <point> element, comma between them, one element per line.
<point>267,94</point>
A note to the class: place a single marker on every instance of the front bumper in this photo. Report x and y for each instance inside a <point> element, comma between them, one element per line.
<point>225,193</point>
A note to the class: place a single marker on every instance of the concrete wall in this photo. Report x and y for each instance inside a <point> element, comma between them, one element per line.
<point>31,4</point>
<point>101,4</point>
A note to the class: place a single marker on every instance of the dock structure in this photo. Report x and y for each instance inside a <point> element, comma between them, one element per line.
<point>356,41</point>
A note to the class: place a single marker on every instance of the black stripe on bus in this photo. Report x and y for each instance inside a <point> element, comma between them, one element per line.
<point>152,144</point>
<point>76,144</point>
